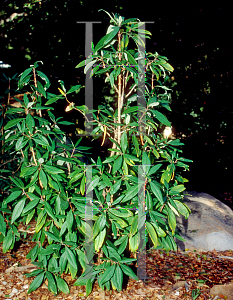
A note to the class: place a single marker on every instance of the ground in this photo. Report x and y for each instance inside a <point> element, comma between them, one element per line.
<point>173,275</point>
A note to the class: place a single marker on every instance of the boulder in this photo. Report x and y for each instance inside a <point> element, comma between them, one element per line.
<point>208,227</point>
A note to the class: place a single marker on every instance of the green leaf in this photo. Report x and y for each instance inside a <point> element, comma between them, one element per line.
<point>100,239</point>
<point>43,178</point>
<point>145,162</point>
<point>132,191</point>
<point>156,191</point>
<point>2,225</point>
<point>52,236</point>
<point>63,262</point>
<point>136,145</point>
<point>69,220</point>
<point>131,59</point>
<point>89,65</point>
<point>82,63</point>
<point>13,196</point>
<point>83,185</point>
<point>168,67</point>
<point>81,281</point>
<point>122,213</point>
<point>28,171</point>
<point>108,274</point>
<point>41,140</point>
<point>113,254</point>
<point>62,285</point>
<point>74,88</point>
<point>118,278</point>
<point>176,189</point>
<point>71,258</point>
<point>171,219</point>
<point>52,286</point>
<point>12,123</point>
<point>31,205</point>
<point>117,164</point>
<point>134,225</point>
<point>106,39</point>
<point>133,242</point>
<point>154,169</point>
<point>161,117</point>
<point>123,245</point>
<point>52,170</point>
<point>89,287</point>
<point>17,210</point>
<point>124,141</point>
<point>30,122</point>
<point>22,141</point>
<point>116,186</point>
<point>49,209</point>
<point>182,209</point>
<point>36,283</point>
<point>128,271</point>
<point>152,233</point>
<point>8,240</point>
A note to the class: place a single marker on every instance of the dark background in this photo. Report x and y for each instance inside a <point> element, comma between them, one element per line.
<point>197,41</point>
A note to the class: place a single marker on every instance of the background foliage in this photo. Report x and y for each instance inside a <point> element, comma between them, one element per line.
<point>195,39</point>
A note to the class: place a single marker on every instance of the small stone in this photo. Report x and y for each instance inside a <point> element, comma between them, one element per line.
<point>25,286</point>
<point>4,282</point>
<point>14,291</point>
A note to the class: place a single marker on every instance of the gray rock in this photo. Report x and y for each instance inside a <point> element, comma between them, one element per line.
<point>208,227</point>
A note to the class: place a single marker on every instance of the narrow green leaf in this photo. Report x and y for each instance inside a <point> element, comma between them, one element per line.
<point>52,236</point>
<point>36,283</point>
<point>134,226</point>
<point>108,274</point>
<point>13,196</point>
<point>22,141</point>
<point>88,287</point>
<point>17,210</point>
<point>43,178</point>
<point>128,271</point>
<point>154,169</point>
<point>106,39</point>
<point>12,123</point>
<point>8,240</point>
<point>27,171</point>
<point>182,208</point>
<point>52,170</point>
<point>124,141</point>
<point>116,186</point>
<point>84,62</point>
<point>30,122</point>
<point>74,88</point>
<point>2,225</point>
<point>117,164</point>
<point>162,118</point>
<point>156,191</point>
<point>71,258</point>
<point>31,205</point>
<point>118,278</point>
<point>89,65</point>
<point>171,219</point>
<point>49,210</point>
<point>177,189</point>
<point>62,285</point>
<point>152,234</point>
<point>52,286</point>
<point>100,239</point>
<point>132,191</point>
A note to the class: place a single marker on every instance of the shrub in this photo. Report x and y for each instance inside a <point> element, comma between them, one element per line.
<point>90,218</point>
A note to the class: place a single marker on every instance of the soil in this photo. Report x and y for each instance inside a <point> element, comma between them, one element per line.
<point>171,275</point>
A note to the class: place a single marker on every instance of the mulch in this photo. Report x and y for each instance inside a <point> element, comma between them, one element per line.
<point>171,275</point>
